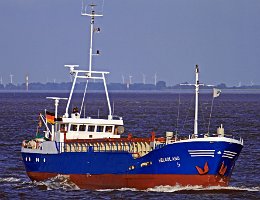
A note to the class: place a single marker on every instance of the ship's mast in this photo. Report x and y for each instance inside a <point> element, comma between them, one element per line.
<point>56,104</point>
<point>197,84</point>
<point>92,30</point>
<point>91,37</point>
<point>90,74</point>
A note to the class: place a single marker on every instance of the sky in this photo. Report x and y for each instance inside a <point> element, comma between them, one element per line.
<point>163,37</point>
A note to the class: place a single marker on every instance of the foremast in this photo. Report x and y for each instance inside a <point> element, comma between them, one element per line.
<point>197,86</point>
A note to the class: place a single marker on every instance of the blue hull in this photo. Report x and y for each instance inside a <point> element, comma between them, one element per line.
<point>174,159</point>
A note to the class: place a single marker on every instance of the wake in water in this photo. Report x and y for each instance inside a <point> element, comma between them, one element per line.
<point>57,182</point>
<point>191,189</point>
<point>197,188</point>
<point>63,182</point>
<point>9,180</point>
<point>16,183</point>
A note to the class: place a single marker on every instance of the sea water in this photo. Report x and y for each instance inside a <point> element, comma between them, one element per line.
<point>142,113</point>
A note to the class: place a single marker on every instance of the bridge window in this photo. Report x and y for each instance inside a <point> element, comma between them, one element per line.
<point>74,127</point>
<point>91,128</point>
<point>63,127</point>
<point>100,128</point>
<point>82,127</point>
<point>109,129</point>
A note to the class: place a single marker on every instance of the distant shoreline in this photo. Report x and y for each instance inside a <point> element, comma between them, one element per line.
<point>174,91</point>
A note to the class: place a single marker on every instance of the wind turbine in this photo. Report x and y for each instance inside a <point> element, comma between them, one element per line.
<point>144,79</point>
<point>27,82</point>
<point>123,79</point>
<point>11,78</point>
<point>130,79</point>
<point>155,79</point>
<point>252,83</point>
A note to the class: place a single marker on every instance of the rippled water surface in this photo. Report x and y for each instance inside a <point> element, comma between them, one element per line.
<point>142,113</point>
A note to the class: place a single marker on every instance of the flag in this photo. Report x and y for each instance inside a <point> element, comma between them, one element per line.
<point>216,92</point>
<point>50,117</point>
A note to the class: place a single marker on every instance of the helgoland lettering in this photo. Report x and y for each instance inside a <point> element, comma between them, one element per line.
<point>169,159</point>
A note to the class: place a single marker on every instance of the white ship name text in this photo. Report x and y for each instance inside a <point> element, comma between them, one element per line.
<point>169,159</point>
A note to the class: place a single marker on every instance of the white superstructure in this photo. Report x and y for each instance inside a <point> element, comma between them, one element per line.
<point>71,126</point>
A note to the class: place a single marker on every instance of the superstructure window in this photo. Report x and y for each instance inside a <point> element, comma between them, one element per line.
<point>63,127</point>
<point>91,128</point>
<point>74,127</point>
<point>109,129</point>
<point>82,127</point>
<point>100,128</point>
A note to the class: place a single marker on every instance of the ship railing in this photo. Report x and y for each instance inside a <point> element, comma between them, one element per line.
<point>32,144</point>
<point>192,136</point>
<point>137,149</point>
<point>161,142</point>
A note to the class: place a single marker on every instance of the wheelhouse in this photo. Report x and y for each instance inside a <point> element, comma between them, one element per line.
<point>88,128</point>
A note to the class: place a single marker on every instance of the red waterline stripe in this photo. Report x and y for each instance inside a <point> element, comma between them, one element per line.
<point>138,181</point>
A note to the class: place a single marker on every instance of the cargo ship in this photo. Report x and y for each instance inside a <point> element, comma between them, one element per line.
<point>94,153</point>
